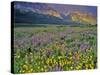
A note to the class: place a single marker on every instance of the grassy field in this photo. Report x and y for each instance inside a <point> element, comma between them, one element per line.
<point>54,48</point>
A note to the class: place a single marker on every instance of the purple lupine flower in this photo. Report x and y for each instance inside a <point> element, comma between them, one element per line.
<point>83,47</point>
<point>58,68</point>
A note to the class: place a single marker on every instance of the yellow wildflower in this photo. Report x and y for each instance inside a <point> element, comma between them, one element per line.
<point>25,66</point>
<point>42,69</point>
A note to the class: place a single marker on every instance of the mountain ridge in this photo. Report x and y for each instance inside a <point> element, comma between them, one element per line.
<point>46,11</point>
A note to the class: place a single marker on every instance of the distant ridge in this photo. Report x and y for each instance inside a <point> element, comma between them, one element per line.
<point>42,13</point>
